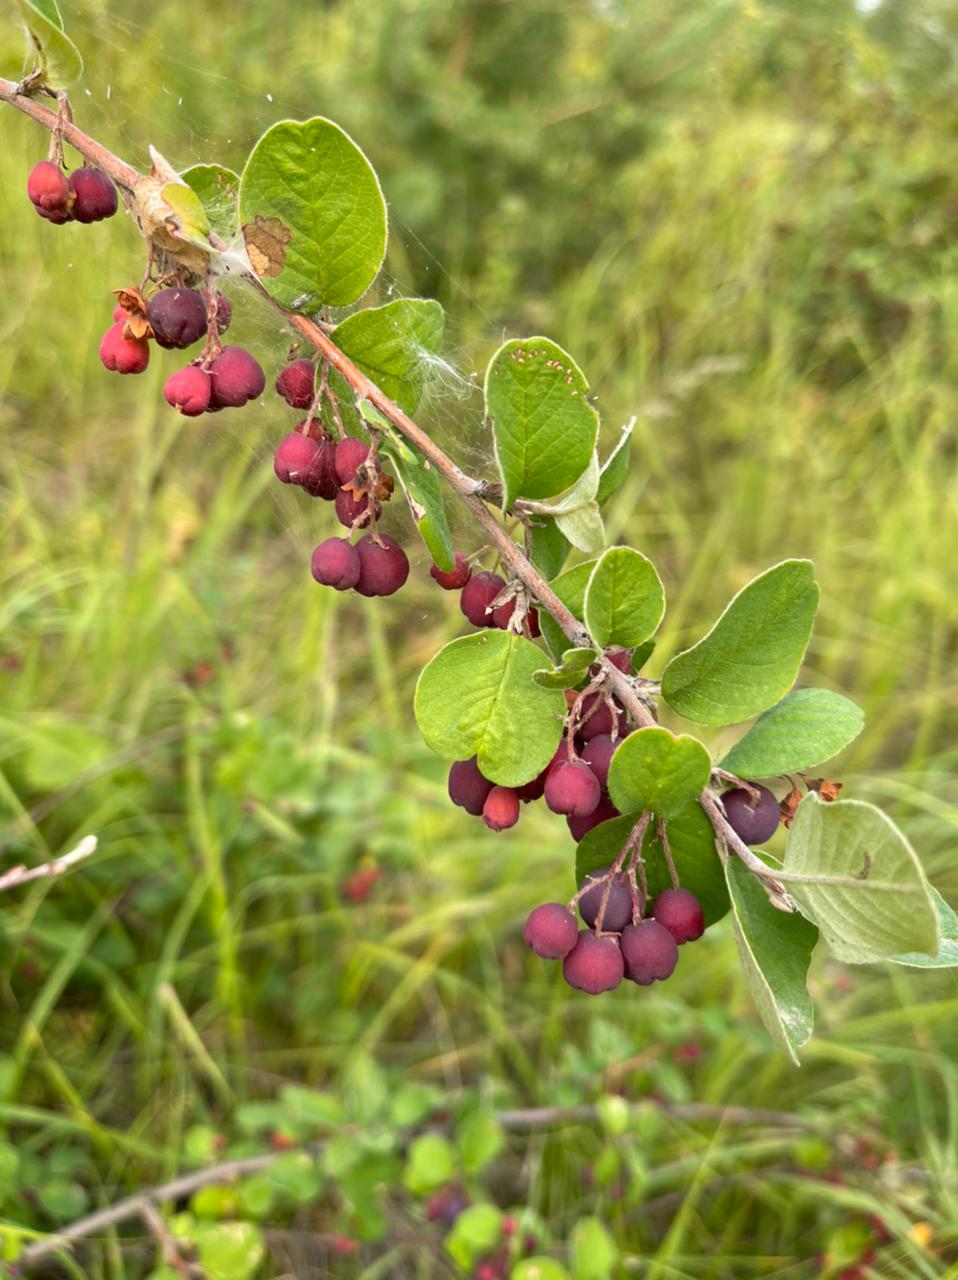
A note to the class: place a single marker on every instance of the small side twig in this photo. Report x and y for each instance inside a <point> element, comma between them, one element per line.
<point>23,875</point>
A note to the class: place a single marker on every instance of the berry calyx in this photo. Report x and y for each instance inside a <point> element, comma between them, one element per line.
<point>649,952</point>
<point>594,964</point>
<point>501,809</point>
<point>453,579</point>
<point>681,913</point>
<point>121,354</point>
<point>336,563</point>
<point>296,383</point>
<point>177,317</point>
<point>49,192</point>
<point>188,391</point>
<point>478,593</point>
<point>383,565</point>
<point>351,453</point>
<point>753,819</point>
<point>467,787</point>
<point>572,788</point>
<point>550,931</point>
<point>237,377</point>
<point>580,827</point>
<point>618,906</point>
<point>94,195</point>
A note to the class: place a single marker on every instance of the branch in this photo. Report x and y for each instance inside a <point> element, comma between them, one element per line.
<point>23,875</point>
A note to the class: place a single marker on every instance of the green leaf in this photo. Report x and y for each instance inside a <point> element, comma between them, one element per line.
<point>312,215</point>
<point>255,1197</point>
<point>311,1109</point>
<point>62,1200</point>
<point>616,466</point>
<point>692,842</point>
<point>214,1202</point>
<point>775,947</point>
<point>230,1250</point>
<point>413,1102</point>
<point>947,954</point>
<point>806,728</point>
<point>577,516</point>
<point>297,1175</point>
<point>866,890</point>
<point>571,671</point>
<point>190,213</point>
<point>545,428</point>
<point>549,546</point>
<point>476,1231</point>
<point>480,1138</point>
<point>594,1252</point>
<point>570,588</point>
<point>57,56</point>
<point>477,697</point>
<point>641,656</point>
<point>421,485</point>
<point>624,600</point>
<point>9,1170</point>
<point>538,1268</point>
<point>389,344</point>
<point>430,1163</point>
<point>751,656</point>
<point>218,190</point>
<point>658,771</point>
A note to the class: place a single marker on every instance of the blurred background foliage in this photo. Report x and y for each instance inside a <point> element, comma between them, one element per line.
<point>740,219</point>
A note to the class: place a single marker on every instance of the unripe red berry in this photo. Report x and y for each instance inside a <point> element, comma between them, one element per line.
<point>550,931</point>
<point>120,313</point>
<point>618,907</point>
<point>296,383</point>
<point>237,377</point>
<point>580,827</point>
<point>467,787</point>
<point>501,809</point>
<point>335,563</point>
<point>598,756</point>
<point>453,579</point>
<point>649,951</point>
<point>383,566</point>
<point>478,593</point>
<point>572,788</point>
<point>752,820</point>
<point>177,317</point>
<point>123,355</point>
<point>188,391</point>
<point>49,191</point>
<point>321,480</point>
<point>296,459</point>
<point>594,964</point>
<point>94,195</point>
<point>349,508</point>
<point>679,910</point>
<point>350,456</point>
<point>600,719</point>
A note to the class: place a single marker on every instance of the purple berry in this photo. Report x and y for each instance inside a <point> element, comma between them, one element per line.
<point>188,391</point>
<point>598,756</point>
<point>94,195</point>
<point>453,579</point>
<point>752,820</point>
<point>550,931</point>
<point>384,566</point>
<point>478,593</point>
<point>236,377</point>
<point>594,964</point>
<point>121,354</point>
<point>580,827</point>
<point>177,317</point>
<point>350,456</point>
<point>501,809</point>
<point>680,912</point>
<point>296,383</point>
<point>572,788</point>
<point>467,787</point>
<point>649,952</point>
<point>618,907</point>
<point>335,563</point>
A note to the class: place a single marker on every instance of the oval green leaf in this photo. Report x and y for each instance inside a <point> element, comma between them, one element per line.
<point>312,215</point>
<point>752,654</point>
<point>545,429</point>
<point>477,697</point>
<point>624,600</point>
<point>862,883</point>
<point>390,344</point>
<point>806,728</point>
<point>658,771</point>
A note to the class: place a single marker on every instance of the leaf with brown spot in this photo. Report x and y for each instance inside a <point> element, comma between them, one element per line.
<point>266,240</point>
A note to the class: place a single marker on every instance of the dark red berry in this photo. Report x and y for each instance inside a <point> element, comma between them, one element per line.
<point>188,391</point>
<point>532,622</point>
<point>349,508</point>
<point>580,827</point>
<point>598,756</point>
<point>467,787</point>
<point>478,593</point>
<point>599,719</point>
<point>350,456</point>
<point>177,317</point>
<point>50,192</point>
<point>680,912</point>
<point>453,579</point>
<point>94,195</point>
<point>550,931</point>
<point>533,790</point>
<point>649,951</point>
<point>501,809</point>
<point>236,377</point>
<point>123,355</point>
<point>621,658</point>
<point>321,481</point>
<point>296,459</point>
<point>572,788</point>
<point>384,566</point>
<point>446,1205</point>
<point>753,820</point>
<point>618,907</point>
<point>502,615</point>
<point>296,383</point>
<point>335,563</point>
<point>594,964</point>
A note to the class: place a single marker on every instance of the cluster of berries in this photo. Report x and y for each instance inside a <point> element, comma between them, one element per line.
<point>87,195</point>
<point>616,941</point>
<point>485,600</point>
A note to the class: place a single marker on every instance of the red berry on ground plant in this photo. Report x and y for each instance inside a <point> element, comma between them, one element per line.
<point>681,913</point>
<point>572,788</point>
<point>501,809</point>
<point>50,192</point>
<point>594,964</point>
<point>121,354</point>
<point>351,453</point>
<point>321,481</point>
<point>94,195</point>
<point>550,931</point>
<point>478,593</point>
<point>177,317</point>
<point>296,383</point>
<point>383,565</point>
<point>335,563</point>
<point>618,907</point>
<point>649,951</point>
<point>598,756</point>
<point>753,819</point>
<point>349,508</point>
<point>453,579</point>
<point>580,827</point>
<point>237,378</point>
<point>297,459</point>
<point>188,391</point>
<point>467,787</point>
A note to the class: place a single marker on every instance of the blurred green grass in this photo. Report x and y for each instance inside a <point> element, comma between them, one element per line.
<point>740,219</point>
